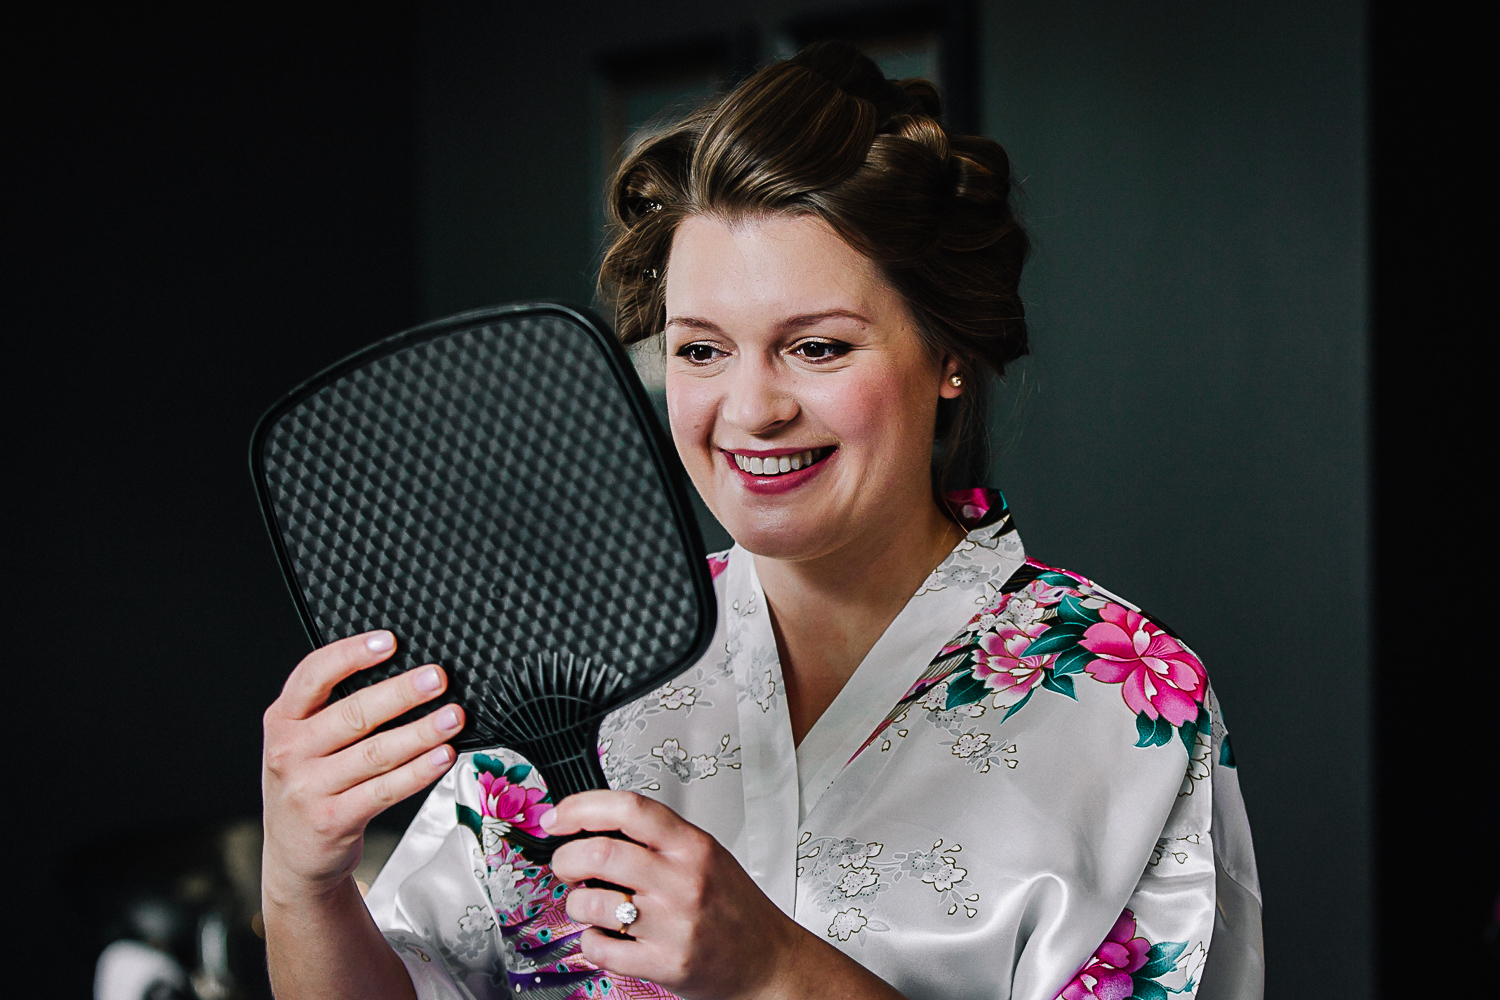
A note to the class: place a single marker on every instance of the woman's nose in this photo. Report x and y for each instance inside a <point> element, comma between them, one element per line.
<point>758,399</point>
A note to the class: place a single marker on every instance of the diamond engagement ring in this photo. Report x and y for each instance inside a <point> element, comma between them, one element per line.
<point>626,913</point>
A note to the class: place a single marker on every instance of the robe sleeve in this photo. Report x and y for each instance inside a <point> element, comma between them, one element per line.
<point>470,916</point>
<point>1192,925</point>
<point>426,889</point>
<point>1236,969</point>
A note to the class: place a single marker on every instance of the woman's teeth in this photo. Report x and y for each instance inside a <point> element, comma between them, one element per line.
<point>775,466</point>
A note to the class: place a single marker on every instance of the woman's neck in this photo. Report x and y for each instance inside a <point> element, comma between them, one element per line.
<point>828,612</point>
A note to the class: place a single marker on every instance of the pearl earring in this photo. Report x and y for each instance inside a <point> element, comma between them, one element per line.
<point>956,380</point>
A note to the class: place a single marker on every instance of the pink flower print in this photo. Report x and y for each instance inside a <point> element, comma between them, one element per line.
<point>999,664</point>
<point>1160,677</point>
<point>517,805</point>
<point>717,564</point>
<point>1106,976</point>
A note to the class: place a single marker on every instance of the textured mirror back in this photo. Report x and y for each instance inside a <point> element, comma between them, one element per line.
<point>494,490</point>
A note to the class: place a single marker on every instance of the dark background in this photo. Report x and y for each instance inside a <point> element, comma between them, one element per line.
<point>1254,406</point>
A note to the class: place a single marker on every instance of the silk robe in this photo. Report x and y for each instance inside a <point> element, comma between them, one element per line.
<point>1025,790</point>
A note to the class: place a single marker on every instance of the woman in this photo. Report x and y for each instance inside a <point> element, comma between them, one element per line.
<point>914,762</point>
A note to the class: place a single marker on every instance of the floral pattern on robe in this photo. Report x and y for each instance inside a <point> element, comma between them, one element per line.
<point>1025,790</point>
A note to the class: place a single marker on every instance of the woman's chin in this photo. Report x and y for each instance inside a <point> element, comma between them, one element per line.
<point>779,540</point>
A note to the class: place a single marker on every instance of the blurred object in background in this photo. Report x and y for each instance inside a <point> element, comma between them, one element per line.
<point>182,920</point>
<point>130,970</point>
<point>175,916</point>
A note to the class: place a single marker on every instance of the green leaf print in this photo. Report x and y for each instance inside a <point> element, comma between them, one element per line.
<point>489,765</point>
<point>1189,732</point>
<point>1153,732</point>
<point>1057,639</point>
<point>1062,685</point>
<point>1052,578</point>
<point>1226,755</point>
<point>1072,611</point>
<point>1145,989</point>
<point>965,689</point>
<point>1161,959</point>
<point>472,820</point>
<point>1073,661</point>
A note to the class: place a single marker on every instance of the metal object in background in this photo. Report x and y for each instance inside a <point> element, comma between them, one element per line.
<point>179,916</point>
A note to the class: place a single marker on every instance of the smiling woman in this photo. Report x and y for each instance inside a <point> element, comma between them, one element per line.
<point>914,761</point>
<point>782,341</point>
<point>926,214</point>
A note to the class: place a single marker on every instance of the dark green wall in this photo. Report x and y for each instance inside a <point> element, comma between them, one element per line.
<point>1195,433</point>
<point>1197,437</point>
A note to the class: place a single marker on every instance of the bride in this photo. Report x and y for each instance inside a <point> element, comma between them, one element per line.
<point>915,761</point>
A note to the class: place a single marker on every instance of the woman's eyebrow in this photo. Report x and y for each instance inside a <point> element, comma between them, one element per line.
<point>790,323</point>
<point>693,323</point>
<point>811,319</point>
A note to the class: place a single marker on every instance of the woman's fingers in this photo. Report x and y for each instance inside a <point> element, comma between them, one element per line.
<point>649,862</point>
<point>641,819</point>
<point>360,714</point>
<point>610,859</point>
<point>308,688</point>
<point>384,751</point>
<point>369,798</point>
<point>588,905</point>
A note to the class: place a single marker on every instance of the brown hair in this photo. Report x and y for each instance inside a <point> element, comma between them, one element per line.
<point>826,134</point>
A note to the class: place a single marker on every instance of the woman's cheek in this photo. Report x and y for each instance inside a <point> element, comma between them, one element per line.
<point>861,412</point>
<point>690,418</point>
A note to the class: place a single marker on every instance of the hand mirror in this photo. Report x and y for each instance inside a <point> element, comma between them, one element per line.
<point>495,489</point>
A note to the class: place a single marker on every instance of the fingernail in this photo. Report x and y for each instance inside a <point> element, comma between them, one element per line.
<point>549,819</point>
<point>441,757</point>
<point>379,642</point>
<point>429,680</point>
<point>448,718</point>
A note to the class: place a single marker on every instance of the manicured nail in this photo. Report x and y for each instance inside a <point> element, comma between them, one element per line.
<point>441,757</point>
<point>379,642</point>
<point>448,718</point>
<point>549,819</point>
<point>429,680</point>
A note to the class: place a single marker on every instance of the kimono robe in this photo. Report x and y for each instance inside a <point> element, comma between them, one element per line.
<point>1025,790</point>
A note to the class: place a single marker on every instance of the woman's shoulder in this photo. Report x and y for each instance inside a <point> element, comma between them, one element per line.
<point>1049,630</point>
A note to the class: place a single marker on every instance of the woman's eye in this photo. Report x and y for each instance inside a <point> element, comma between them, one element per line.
<point>699,354</point>
<point>821,350</point>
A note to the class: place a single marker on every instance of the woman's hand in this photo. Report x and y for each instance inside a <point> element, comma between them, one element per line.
<point>704,929</point>
<point>324,777</point>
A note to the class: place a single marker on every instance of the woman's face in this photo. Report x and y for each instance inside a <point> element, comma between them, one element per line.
<point>802,400</point>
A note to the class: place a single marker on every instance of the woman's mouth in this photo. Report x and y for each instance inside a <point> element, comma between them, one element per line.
<point>775,473</point>
<point>768,466</point>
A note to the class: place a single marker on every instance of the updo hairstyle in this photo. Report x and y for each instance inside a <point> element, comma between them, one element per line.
<point>826,134</point>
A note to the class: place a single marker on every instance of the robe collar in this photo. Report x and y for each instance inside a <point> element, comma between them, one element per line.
<point>783,783</point>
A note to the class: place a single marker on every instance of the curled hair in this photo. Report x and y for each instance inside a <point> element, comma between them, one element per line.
<point>826,134</point>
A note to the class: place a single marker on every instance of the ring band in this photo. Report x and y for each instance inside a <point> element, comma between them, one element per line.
<point>626,913</point>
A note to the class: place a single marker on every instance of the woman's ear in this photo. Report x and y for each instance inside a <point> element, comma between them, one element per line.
<point>952,385</point>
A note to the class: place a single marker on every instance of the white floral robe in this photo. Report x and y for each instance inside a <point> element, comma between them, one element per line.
<point>1025,790</point>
